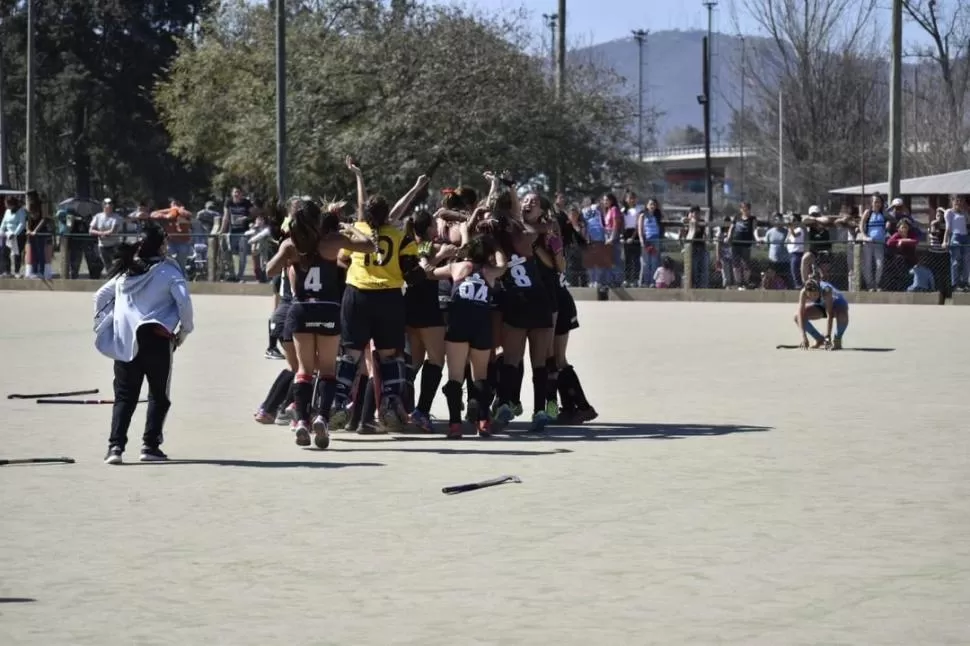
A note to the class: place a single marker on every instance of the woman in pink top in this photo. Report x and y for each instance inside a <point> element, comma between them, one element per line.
<point>613,220</point>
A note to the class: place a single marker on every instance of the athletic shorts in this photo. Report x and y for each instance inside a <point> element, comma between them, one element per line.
<point>313,318</point>
<point>838,306</point>
<point>277,322</point>
<point>527,309</point>
<point>424,312</point>
<point>469,324</point>
<point>568,318</point>
<point>376,315</point>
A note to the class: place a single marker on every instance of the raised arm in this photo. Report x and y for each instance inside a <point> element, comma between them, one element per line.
<point>401,207</point>
<point>361,191</point>
<point>279,261</point>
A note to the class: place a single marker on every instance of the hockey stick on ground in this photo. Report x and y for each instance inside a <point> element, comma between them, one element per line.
<point>82,401</point>
<point>479,485</point>
<point>37,461</point>
<point>73,393</point>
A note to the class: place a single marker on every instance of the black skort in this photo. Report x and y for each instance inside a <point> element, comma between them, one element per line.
<point>471,324</point>
<point>568,318</point>
<point>277,322</point>
<point>312,318</point>
<point>527,309</point>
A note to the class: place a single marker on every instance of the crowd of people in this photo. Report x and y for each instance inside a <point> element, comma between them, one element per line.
<point>606,242</point>
<point>615,244</point>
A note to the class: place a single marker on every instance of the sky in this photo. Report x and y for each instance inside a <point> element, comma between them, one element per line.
<point>599,21</point>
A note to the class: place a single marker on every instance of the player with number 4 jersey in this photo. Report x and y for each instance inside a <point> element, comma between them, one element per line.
<point>314,318</point>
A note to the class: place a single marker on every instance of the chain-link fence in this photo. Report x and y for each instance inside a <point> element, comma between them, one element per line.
<point>849,265</point>
<point>224,257</point>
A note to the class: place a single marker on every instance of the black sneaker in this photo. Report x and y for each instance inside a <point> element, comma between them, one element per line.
<point>113,456</point>
<point>274,353</point>
<point>149,454</point>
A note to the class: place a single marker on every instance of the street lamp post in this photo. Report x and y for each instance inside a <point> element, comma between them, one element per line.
<point>551,19</point>
<point>281,100</point>
<point>640,35</point>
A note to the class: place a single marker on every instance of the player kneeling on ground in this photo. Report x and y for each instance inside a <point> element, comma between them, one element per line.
<point>818,300</point>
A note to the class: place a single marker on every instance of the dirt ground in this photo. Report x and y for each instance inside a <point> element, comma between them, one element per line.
<point>730,493</point>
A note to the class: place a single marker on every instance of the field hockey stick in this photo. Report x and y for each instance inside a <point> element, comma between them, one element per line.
<point>494,482</point>
<point>82,401</point>
<point>73,393</point>
<point>37,461</point>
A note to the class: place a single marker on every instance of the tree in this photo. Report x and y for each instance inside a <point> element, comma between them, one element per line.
<point>96,64</point>
<point>940,129</point>
<point>821,56</point>
<point>394,85</point>
<point>687,136</point>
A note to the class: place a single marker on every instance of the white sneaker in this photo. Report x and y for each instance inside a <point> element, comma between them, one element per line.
<point>321,434</point>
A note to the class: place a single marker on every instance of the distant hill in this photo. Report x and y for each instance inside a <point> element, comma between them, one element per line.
<point>672,77</point>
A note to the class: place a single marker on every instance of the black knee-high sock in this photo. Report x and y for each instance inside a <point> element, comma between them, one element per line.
<point>492,377</point>
<point>575,388</point>
<point>361,388</point>
<point>484,392</point>
<point>452,392</point>
<point>303,395</point>
<point>470,384</point>
<point>369,408</point>
<point>327,390</point>
<point>288,399</point>
<point>540,378</point>
<point>552,379</point>
<point>506,383</point>
<point>566,399</point>
<point>277,392</point>
<point>430,380</point>
<point>273,337</point>
<point>410,397</point>
<point>519,377</point>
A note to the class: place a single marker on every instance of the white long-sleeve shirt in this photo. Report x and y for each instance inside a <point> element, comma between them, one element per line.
<point>125,303</point>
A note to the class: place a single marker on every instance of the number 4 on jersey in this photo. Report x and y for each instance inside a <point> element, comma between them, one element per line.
<point>473,291</point>
<point>312,282</point>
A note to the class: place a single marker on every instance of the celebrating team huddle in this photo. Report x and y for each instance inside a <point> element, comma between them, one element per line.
<point>365,308</point>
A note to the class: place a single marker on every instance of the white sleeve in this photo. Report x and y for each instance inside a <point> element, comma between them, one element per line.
<point>180,292</point>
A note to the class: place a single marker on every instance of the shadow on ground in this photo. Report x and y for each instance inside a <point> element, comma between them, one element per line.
<point>795,347</point>
<point>442,451</point>
<point>519,431</point>
<point>17,600</point>
<point>613,432</point>
<point>263,464</point>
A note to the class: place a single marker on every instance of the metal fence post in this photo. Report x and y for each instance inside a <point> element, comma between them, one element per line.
<point>214,259</point>
<point>688,279</point>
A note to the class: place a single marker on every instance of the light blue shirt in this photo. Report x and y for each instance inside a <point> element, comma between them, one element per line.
<point>775,237</point>
<point>125,303</point>
<point>14,222</point>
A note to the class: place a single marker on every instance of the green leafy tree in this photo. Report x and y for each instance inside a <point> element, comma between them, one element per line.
<point>394,85</point>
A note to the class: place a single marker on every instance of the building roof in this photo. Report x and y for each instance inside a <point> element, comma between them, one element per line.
<point>945,184</point>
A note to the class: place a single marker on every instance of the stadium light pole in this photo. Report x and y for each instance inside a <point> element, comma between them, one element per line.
<point>31,104</point>
<point>551,20</point>
<point>896,100</point>
<point>705,100</point>
<point>281,99</point>
<point>744,82</point>
<point>560,83</point>
<point>640,35</point>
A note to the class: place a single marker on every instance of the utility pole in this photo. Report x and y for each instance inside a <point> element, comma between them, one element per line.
<point>560,83</point>
<point>640,36</point>
<point>743,127</point>
<point>281,100</point>
<point>781,154</point>
<point>705,101</point>
<point>710,4</point>
<point>31,110</point>
<point>551,19</point>
<point>4,175</point>
<point>896,100</point>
